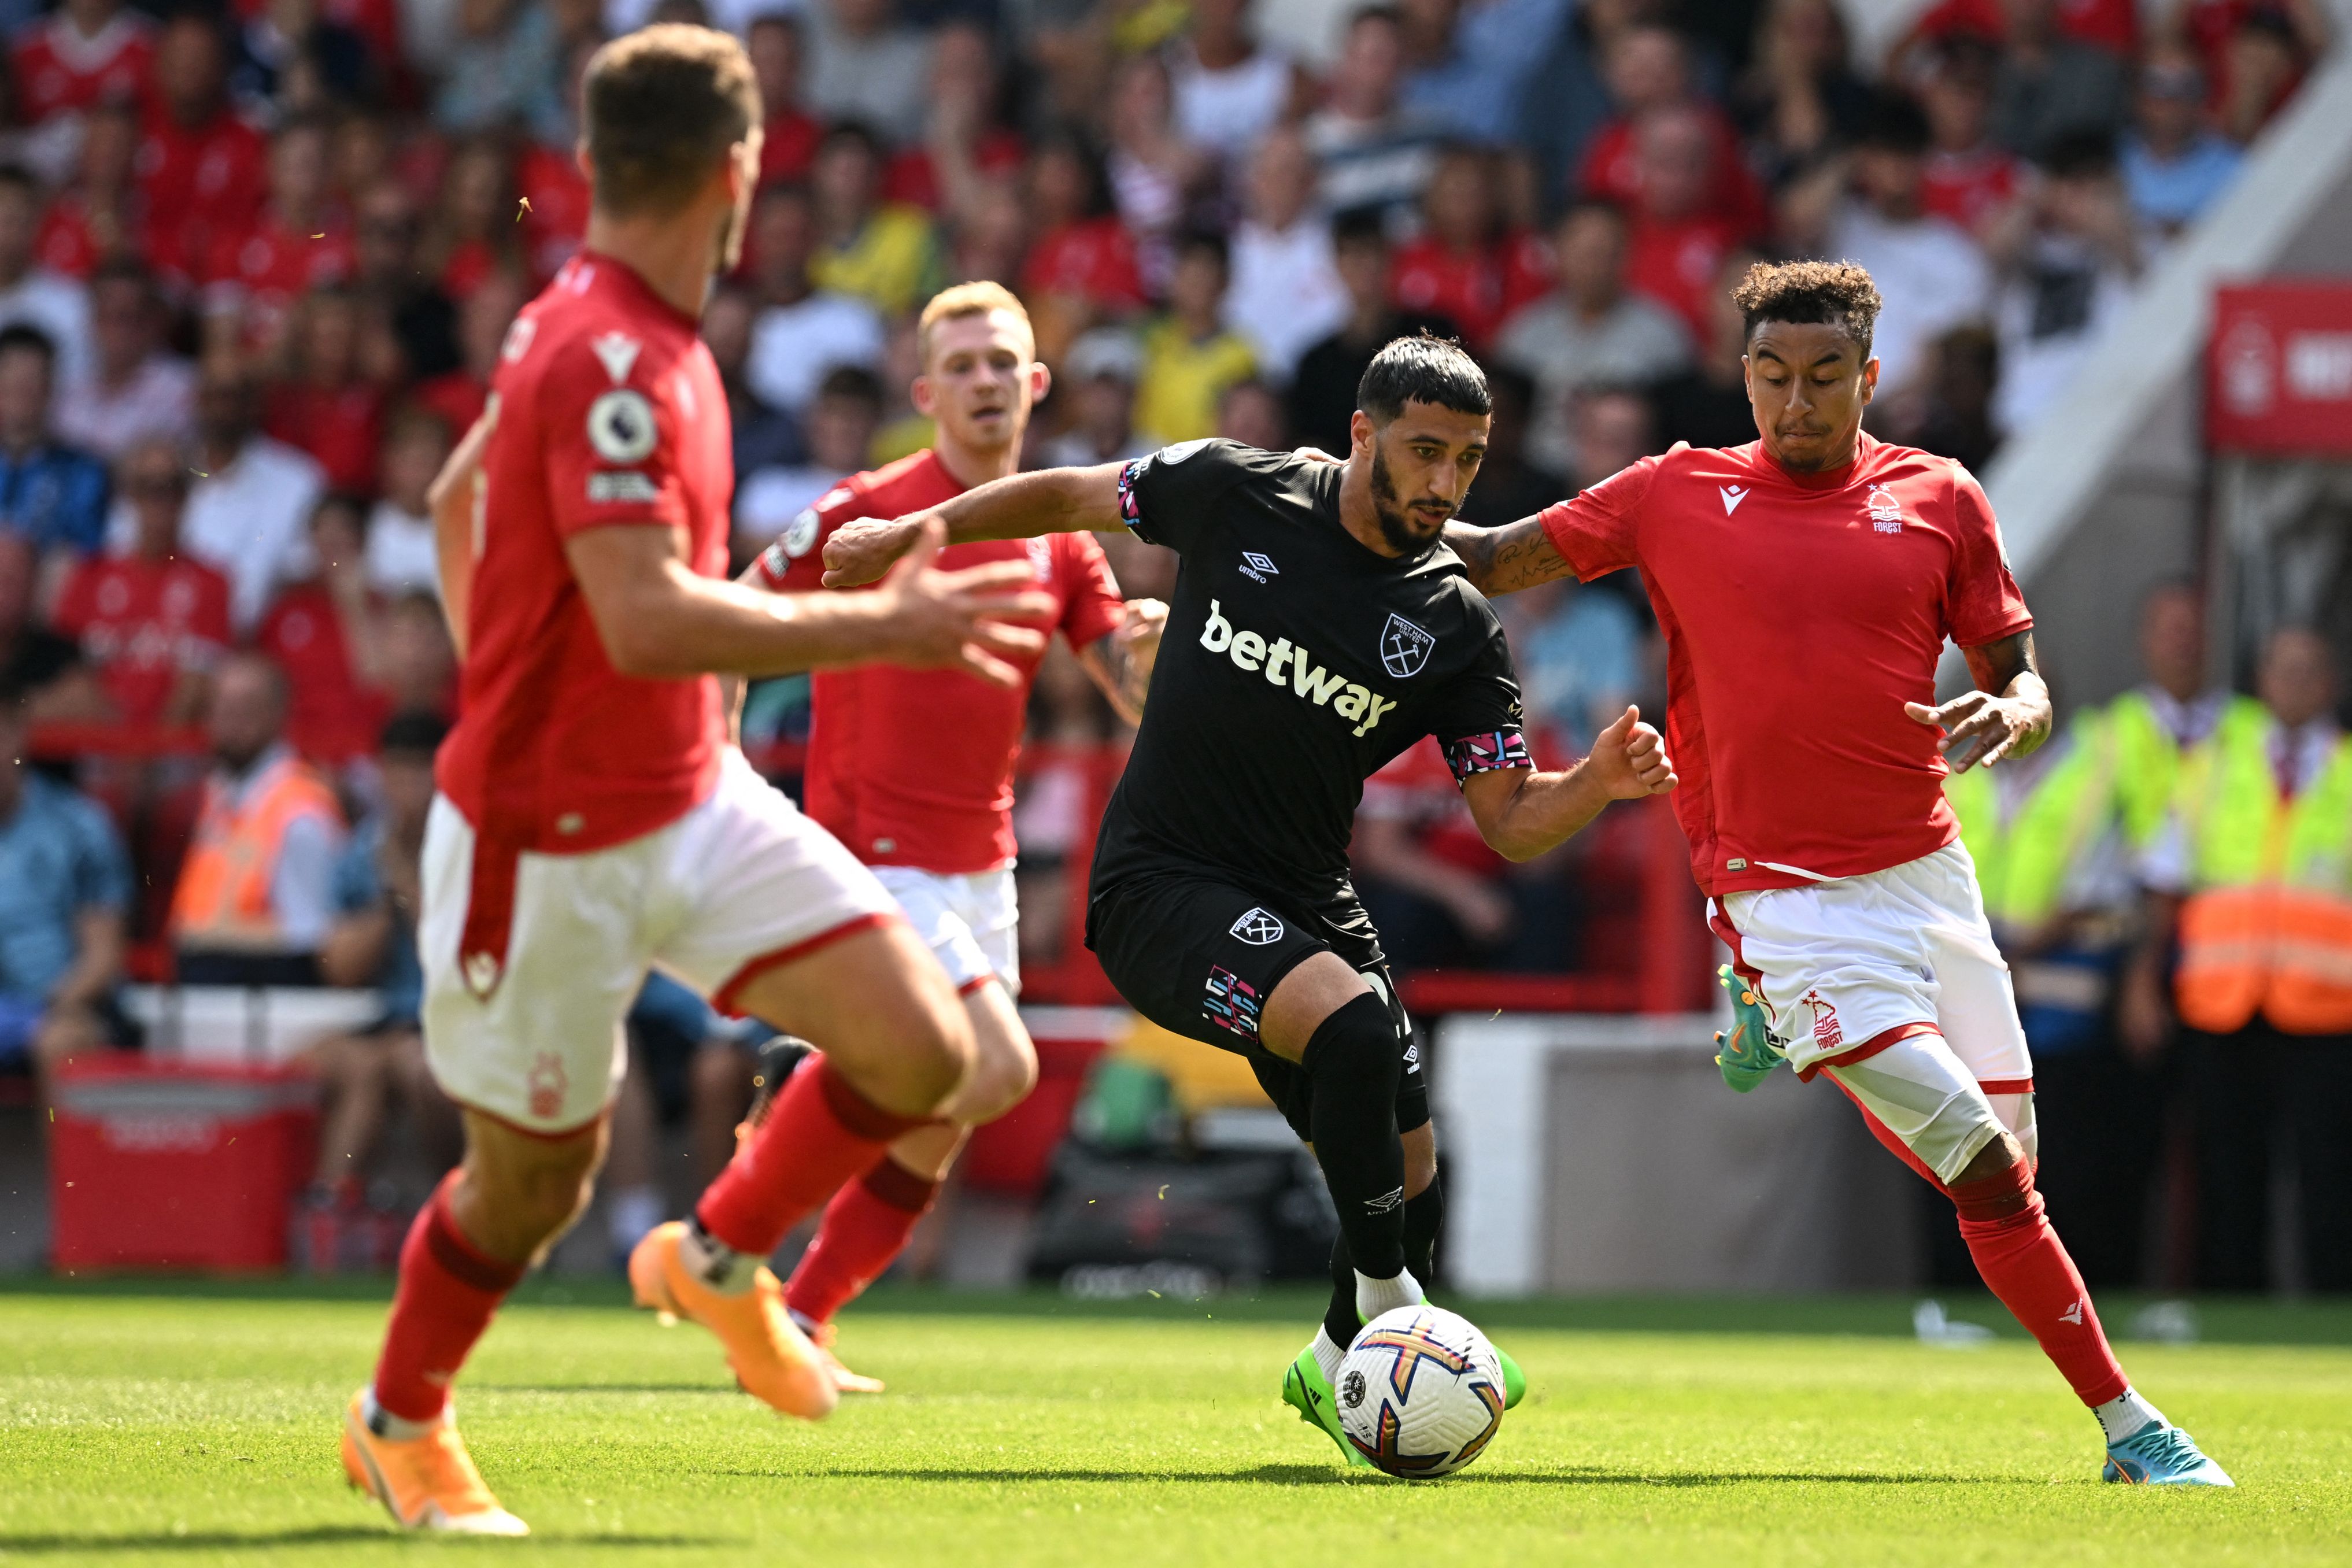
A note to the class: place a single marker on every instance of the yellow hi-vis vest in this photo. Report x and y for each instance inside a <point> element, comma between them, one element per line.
<point>2148,758</point>
<point>2267,927</point>
<point>2023,864</point>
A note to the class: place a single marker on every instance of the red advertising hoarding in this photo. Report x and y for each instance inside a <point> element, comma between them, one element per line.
<point>2279,371</point>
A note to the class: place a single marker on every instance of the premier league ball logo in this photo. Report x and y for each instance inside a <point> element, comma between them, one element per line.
<point>1405,647</point>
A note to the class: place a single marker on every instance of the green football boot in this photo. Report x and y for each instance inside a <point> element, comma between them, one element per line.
<point>1305,1391</point>
<point>1515,1381</point>
<point>1746,1052</point>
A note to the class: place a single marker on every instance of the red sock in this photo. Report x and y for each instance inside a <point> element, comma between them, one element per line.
<point>819,1133</point>
<point>2025,1265</point>
<point>865,1229</point>
<point>449,1288</point>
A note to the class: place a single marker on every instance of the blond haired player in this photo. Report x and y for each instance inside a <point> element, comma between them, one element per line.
<point>914,773</point>
<point>592,820</point>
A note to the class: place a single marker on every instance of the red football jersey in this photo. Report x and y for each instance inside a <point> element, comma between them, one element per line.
<point>330,716</point>
<point>610,412</point>
<point>142,623</point>
<point>1429,278</point>
<point>59,71</point>
<point>198,182</point>
<point>1800,612</point>
<point>1969,188</point>
<point>262,270</point>
<point>914,767</point>
<point>1094,259</point>
<point>341,427</point>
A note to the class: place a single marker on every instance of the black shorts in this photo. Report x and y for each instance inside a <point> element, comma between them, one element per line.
<point>1199,957</point>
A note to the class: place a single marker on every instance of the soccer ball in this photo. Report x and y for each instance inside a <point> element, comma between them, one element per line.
<point>1421,1392</point>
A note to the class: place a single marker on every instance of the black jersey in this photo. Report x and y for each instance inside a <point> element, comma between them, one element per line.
<point>1294,664</point>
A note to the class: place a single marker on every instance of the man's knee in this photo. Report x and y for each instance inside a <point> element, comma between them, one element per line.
<point>2001,1151</point>
<point>515,1199</point>
<point>1004,1059</point>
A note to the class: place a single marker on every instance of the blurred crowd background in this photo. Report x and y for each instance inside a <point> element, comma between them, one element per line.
<point>256,265</point>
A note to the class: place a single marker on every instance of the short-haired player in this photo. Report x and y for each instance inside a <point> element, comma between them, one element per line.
<point>1320,626</point>
<point>592,820</point>
<point>914,772</point>
<point>1807,583</point>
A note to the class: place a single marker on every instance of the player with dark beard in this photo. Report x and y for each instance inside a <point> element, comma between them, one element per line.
<point>1320,626</point>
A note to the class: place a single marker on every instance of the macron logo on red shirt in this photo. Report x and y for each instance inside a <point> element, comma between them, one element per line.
<point>1732,496</point>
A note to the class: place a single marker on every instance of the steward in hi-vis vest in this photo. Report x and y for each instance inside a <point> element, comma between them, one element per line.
<point>2253,873</point>
<point>2045,837</point>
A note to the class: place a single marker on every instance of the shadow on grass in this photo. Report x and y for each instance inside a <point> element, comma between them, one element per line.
<point>727,1389</point>
<point>309,1535</point>
<point>1323,1475</point>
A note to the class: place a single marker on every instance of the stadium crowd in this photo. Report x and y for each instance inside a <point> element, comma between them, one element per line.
<point>256,264</point>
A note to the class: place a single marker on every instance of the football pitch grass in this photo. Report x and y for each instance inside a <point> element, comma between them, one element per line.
<point>138,1423</point>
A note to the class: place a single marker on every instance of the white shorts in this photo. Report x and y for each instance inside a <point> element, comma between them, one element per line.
<point>740,883</point>
<point>971,921</point>
<point>1891,984</point>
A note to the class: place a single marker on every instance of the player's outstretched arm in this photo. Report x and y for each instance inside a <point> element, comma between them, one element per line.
<point>1521,813</point>
<point>1120,661</point>
<point>1504,560</point>
<point>1020,506</point>
<point>2008,714</point>
<point>659,619</point>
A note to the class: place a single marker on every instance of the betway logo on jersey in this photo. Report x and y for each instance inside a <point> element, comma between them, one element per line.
<point>1359,704</point>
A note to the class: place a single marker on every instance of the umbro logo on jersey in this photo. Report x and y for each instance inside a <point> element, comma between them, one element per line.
<point>1732,496</point>
<point>1360,705</point>
<point>1257,928</point>
<point>1258,568</point>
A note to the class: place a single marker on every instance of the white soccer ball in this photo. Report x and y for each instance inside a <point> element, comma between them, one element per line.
<point>1421,1392</point>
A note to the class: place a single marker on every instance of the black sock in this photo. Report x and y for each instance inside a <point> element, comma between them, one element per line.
<point>1340,1317</point>
<point>1353,1062</point>
<point>1424,1213</point>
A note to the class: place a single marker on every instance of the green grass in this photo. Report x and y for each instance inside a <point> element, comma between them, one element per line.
<point>141,1423</point>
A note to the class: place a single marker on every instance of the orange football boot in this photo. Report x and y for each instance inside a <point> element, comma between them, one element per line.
<point>425,1483</point>
<point>771,1357</point>
<point>844,1379</point>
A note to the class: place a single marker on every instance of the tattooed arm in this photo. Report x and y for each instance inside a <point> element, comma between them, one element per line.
<point>1506,558</point>
<point>1120,662</point>
<point>2007,716</point>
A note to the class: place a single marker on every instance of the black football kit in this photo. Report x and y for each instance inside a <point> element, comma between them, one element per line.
<point>1295,663</point>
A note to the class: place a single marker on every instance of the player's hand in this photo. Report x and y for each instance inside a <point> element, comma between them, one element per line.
<point>1139,628</point>
<point>959,620</point>
<point>1629,759</point>
<point>860,552</point>
<point>1981,728</point>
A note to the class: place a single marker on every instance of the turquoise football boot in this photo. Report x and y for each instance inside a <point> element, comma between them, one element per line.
<point>1747,1052</point>
<point>2161,1455</point>
<point>1305,1390</point>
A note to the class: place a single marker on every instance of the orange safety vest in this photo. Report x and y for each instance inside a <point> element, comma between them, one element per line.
<point>2268,928</point>
<point>223,891</point>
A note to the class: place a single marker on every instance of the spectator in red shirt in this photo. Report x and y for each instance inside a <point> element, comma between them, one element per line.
<point>553,192</point>
<point>1648,69</point>
<point>1970,178</point>
<point>200,167</point>
<point>296,243</point>
<point>325,406</point>
<point>964,140</point>
<point>153,622</point>
<point>1455,269</point>
<point>459,397</point>
<point>325,633</point>
<point>473,231</point>
<point>87,53</point>
<point>1083,267</point>
<point>1678,238</point>
<point>778,56</point>
<point>100,216</point>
